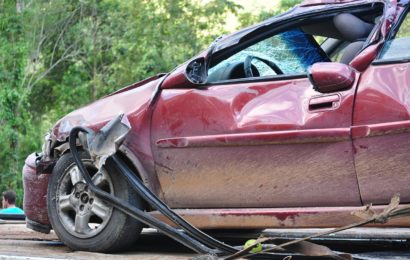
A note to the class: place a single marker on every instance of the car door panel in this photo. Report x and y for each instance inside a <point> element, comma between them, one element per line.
<point>382,133</point>
<point>254,144</point>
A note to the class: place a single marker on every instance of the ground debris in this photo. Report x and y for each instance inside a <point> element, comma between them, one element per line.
<point>303,247</point>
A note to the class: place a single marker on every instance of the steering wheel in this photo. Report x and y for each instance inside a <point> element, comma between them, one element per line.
<point>248,65</point>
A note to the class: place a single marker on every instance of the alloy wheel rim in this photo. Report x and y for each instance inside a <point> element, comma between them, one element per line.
<point>81,212</point>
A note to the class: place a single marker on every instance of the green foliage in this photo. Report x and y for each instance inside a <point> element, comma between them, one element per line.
<point>56,56</point>
<point>247,18</point>
<point>288,4</point>
<point>13,53</point>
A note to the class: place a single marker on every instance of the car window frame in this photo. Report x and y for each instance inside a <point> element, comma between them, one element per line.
<point>391,36</point>
<point>282,26</point>
<point>309,38</point>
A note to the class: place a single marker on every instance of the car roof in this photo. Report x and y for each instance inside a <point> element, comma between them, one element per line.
<point>305,8</point>
<point>322,2</point>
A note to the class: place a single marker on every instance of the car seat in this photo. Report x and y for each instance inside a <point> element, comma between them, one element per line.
<point>353,30</point>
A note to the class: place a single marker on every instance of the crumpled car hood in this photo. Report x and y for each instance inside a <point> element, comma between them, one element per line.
<point>130,101</point>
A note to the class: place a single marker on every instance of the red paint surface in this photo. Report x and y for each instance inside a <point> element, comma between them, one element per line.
<point>383,95</point>
<point>263,138</point>
<point>135,103</point>
<point>279,214</point>
<point>35,192</point>
<point>136,85</point>
<point>259,144</point>
<point>381,129</point>
<point>382,125</point>
<point>237,137</point>
<point>365,58</point>
<point>261,218</point>
<point>332,76</point>
<point>177,79</point>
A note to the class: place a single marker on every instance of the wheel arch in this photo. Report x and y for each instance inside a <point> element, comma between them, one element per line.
<point>132,161</point>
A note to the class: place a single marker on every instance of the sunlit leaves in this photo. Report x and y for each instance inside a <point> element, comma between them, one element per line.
<point>56,56</point>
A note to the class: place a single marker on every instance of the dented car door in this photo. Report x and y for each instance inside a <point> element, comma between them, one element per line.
<point>257,135</point>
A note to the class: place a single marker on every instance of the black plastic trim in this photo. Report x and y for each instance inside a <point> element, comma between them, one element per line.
<point>12,217</point>
<point>256,79</point>
<point>391,61</point>
<point>42,228</point>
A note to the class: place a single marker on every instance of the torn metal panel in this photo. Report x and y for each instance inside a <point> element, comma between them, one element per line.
<point>107,140</point>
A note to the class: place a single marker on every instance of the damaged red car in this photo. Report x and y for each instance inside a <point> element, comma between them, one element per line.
<point>293,122</point>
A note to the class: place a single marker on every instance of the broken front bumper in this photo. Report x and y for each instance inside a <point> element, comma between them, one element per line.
<point>35,196</point>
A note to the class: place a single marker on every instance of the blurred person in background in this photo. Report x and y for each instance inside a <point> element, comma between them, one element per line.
<point>9,203</point>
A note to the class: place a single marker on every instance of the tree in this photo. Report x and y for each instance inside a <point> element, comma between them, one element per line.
<point>58,55</point>
<point>13,57</point>
<point>247,18</point>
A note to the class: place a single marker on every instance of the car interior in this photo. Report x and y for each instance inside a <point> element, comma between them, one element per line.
<point>336,38</point>
<point>346,36</point>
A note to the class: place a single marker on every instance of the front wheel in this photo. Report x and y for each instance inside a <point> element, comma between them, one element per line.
<point>82,220</point>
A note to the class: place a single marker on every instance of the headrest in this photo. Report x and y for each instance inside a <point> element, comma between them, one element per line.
<point>351,27</point>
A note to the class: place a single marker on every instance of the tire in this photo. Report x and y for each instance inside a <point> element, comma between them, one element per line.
<point>81,220</point>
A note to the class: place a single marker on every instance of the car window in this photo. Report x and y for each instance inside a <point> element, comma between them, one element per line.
<point>291,51</point>
<point>337,54</point>
<point>399,47</point>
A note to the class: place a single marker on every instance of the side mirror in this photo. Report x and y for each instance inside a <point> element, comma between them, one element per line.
<point>196,71</point>
<point>188,75</point>
<point>327,77</point>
